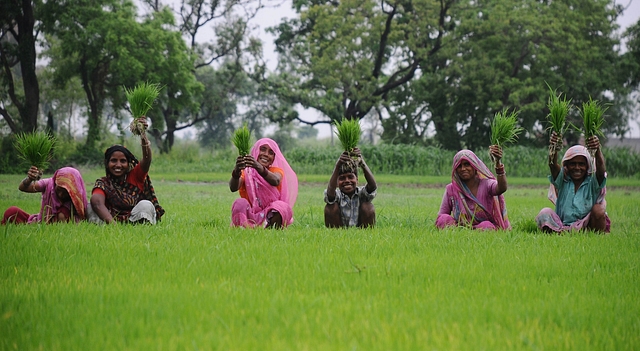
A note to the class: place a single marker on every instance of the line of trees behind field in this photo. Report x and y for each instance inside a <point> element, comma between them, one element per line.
<point>426,72</point>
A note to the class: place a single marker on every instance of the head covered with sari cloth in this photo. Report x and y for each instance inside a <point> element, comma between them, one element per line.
<point>499,211</point>
<point>119,192</point>
<point>572,152</point>
<point>262,194</point>
<point>70,179</point>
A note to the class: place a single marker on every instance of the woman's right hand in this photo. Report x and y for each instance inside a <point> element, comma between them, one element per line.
<point>34,174</point>
<point>554,139</point>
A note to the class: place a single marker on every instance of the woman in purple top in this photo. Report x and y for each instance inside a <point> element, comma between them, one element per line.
<point>474,197</point>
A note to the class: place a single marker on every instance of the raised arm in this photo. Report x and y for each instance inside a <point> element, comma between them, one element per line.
<point>145,162</point>
<point>368,175</point>
<point>554,167</point>
<point>234,182</point>
<point>333,181</point>
<point>28,184</point>
<point>501,176</point>
<point>593,143</point>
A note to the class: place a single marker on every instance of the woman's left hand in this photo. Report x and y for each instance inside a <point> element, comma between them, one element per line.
<point>496,153</point>
<point>593,143</point>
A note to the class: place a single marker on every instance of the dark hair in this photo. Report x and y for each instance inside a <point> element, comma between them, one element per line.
<point>347,168</point>
<point>130,157</point>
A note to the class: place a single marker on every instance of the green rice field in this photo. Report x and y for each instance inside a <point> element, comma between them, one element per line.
<point>193,283</point>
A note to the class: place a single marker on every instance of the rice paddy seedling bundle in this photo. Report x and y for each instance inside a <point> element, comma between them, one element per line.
<point>593,119</point>
<point>349,132</point>
<point>35,148</point>
<point>504,128</point>
<point>141,100</point>
<point>559,108</point>
<point>242,140</point>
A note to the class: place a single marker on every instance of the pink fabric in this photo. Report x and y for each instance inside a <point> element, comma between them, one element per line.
<point>15,215</point>
<point>70,179</point>
<point>486,205</point>
<point>263,198</point>
<point>548,218</point>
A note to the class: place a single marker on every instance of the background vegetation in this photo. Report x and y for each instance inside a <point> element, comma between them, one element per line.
<point>422,72</point>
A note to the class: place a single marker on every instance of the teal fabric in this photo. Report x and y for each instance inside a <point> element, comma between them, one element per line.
<point>574,205</point>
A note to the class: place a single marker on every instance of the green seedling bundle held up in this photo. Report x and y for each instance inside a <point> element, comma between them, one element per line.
<point>504,128</point>
<point>242,140</point>
<point>36,148</point>
<point>559,108</point>
<point>348,132</point>
<point>593,120</point>
<point>141,99</point>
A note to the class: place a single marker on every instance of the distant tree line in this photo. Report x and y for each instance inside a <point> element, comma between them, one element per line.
<point>429,72</point>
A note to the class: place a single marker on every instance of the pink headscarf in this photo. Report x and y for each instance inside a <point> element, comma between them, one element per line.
<point>260,192</point>
<point>70,179</point>
<point>499,212</point>
<point>572,152</point>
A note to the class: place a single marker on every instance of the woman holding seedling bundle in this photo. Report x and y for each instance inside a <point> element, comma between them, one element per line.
<point>474,197</point>
<point>63,197</point>
<point>268,187</point>
<point>125,194</point>
<point>578,186</point>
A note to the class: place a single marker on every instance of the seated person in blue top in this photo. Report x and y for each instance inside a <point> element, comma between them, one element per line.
<point>349,205</point>
<point>578,188</point>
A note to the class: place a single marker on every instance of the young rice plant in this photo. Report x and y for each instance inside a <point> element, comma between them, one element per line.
<point>592,119</point>
<point>241,139</point>
<point>35,148</point>
<point>141,100</point>
<point>349,132</point>
<point>559,108</point>
<point>504,129</point>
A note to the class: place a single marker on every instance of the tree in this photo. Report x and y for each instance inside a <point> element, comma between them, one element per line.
<point>105,45</point>
<point>344,58</point>
<point>19,89</point>
<point>504,54</point>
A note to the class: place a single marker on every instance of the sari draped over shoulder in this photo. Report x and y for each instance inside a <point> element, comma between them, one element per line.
<point>461,212</point>
<point>70,179</point>
<point>121,196</point>
<point>263,197</point>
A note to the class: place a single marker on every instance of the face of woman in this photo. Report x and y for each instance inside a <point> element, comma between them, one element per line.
<point>118,164</point>
<point>465,171</point>
<point>577,167</point>
<point>62,194</point>
<point>266,156</point>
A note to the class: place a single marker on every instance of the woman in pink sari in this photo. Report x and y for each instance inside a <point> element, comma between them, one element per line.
<point>63,198</point>
<point>474,197</point>
<point>268,188</point>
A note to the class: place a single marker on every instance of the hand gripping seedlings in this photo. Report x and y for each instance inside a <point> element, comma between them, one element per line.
<point>593,119</point>
<point>504,129</point>
<point>241,139</point>
<point>559,108</point>
<point>35,148</point>
<point>141,100</point>
<point>349,132</point>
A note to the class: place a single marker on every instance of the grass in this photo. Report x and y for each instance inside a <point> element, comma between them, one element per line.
<point>192,282</point>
